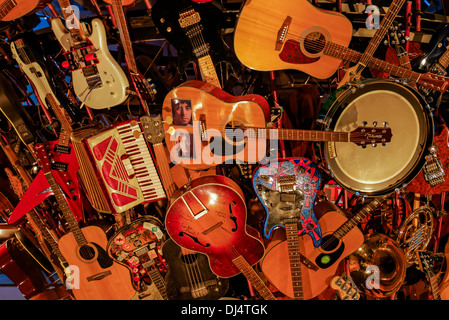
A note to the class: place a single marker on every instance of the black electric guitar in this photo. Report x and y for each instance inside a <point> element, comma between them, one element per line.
<point>194,29</point>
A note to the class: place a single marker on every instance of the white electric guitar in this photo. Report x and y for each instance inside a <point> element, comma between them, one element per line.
<point>99,82</point>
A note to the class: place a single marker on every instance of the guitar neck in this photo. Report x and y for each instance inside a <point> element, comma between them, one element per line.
<point>380,33</point>
<point>435,288</point>
<point>208,71</point>
<point>164,169</point>
<point>437,83</point>
<point>444,59</point>
<point>125,39</point>
<point>157,279</point>
<point>6,7</point>
<point>66,127</point>
<point>299,135</point>
<point>291,229</point>
<point>357,218</point>
<point>253,277</point>
<point>68,14</point>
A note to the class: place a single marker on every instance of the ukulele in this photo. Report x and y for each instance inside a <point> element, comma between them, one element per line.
<point>143,89</point>
<point>97,276</point>
<point>208,215</point>
<point>98,80</point>
<point>224,127</point>
<point>302,37</point>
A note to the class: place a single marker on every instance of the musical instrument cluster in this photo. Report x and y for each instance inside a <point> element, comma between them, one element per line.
<point>179,165</point>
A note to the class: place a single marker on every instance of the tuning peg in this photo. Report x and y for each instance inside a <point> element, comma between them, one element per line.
<point>375,123</point>
<point>364,123</point>
<point>385,124</point>
<point>374,145</point>
<point>384,144</point>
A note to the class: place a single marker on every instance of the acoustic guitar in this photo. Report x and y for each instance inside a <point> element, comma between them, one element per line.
<point>223,127</point>
<point>98,277</point>
<point>297,35</point>
<point>208,215</point>
<point>14,9</point>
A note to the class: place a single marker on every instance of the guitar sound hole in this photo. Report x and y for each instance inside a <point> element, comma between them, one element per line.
<point>314,42</point>
<point>329,243</point>
<point>87,252</point>
<point>235,132</point>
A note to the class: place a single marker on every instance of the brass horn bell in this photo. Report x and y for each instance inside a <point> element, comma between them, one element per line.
<point>378,266</point>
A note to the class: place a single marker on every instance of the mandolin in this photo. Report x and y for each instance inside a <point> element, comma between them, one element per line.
<point>208,215</point>
<point>206,126</point>
<point>95,276</point>
<point>297,35</point>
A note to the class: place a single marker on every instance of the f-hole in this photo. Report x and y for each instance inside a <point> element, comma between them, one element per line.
<point>232,216</point>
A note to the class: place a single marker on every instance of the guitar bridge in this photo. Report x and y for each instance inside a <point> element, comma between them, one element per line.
<point>433,171</point>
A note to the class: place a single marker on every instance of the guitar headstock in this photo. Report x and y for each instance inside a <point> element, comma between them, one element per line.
<point>398,39</point>
<point>42,157</point>
<point>363,136</point>
<point>433,81</point>
<point>153,129</point>
<point>425,263</point>
<point>345,289</point>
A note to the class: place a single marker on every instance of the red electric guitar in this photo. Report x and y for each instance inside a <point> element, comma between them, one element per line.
<point>208,215</point>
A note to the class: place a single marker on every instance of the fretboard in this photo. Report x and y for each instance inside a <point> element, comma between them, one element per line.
<point>6,7</point>
<point>164,169</point>
<point>69,15</point>
<point>125,38</point>
<point>358,217</point>
<point>380,33</point>
<point>296,134</point>
<point>157,279</point>
<point>291,229</point>
<point>66,127</point>
<point>65,209</point>
<point>253,278</point>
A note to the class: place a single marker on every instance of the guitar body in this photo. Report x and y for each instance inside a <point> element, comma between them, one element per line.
<point>64,169</point>
<point>209,216</point>
<point>314,281</point>
<point>189,276</point>
<point>100,278</point>
<point>306,180</point>
<point>262,28</point>
<point>216,110</point>
<point>138,247</point>
<point>114,83</point>
<point>21,8</point>
<point>440,173</point>
<point>166,15</point>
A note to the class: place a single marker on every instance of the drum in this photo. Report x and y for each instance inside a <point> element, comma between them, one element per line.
<point>376,170</point>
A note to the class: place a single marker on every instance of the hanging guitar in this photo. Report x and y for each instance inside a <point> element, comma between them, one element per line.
<point>98,80</point>
<point>195,32</point>
<point>138,246</point>
<point>97,276</point>
<point>208,215</point>
<point>64,168</point>
<point>302,37</point>
<point>287,190</point>
<point>223,128</point>
<point>189,276</point>
<point>27,50</point>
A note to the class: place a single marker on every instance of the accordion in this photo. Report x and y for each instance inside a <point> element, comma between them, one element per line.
<point>117,169</point>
